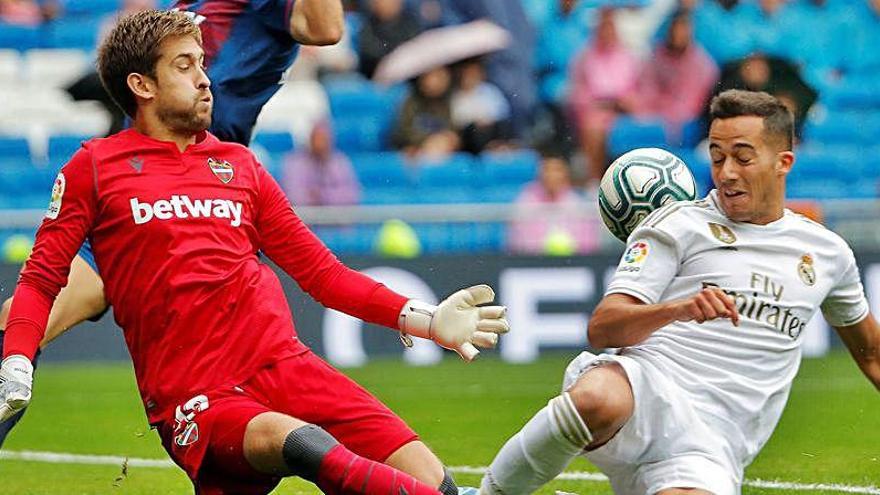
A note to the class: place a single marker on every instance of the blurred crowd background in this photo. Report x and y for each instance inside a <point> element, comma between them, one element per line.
<point>483,125</point>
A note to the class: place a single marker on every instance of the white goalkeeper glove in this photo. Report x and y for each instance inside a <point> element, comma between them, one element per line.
<point>16,380</point>
<point>457,323</point>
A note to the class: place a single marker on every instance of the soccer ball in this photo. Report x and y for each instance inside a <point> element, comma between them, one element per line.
<point>639,182</point>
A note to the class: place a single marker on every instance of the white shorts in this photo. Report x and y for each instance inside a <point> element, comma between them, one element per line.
<point>665,444</point>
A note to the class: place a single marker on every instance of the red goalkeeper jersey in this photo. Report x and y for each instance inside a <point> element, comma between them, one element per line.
<point>175,236</point>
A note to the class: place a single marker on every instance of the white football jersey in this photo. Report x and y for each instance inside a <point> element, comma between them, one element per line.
<point>779,275</point>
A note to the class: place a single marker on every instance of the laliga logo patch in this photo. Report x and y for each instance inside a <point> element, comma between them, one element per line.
<point>634,257</point>
<point>722,233</point>
<point>222,169</point>
<point>806,271</point>
<point>57,195</point>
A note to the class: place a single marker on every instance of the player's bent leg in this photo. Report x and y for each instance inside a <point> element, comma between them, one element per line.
<point>417,460</point>
<point>586,416</point>
<point>278,444</point>
<point>604,400</point>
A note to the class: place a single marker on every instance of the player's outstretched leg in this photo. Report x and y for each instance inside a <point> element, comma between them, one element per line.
<point>601,398</point>
<point>313,454</point>
<point>538,452</point>
<point>308,451</point>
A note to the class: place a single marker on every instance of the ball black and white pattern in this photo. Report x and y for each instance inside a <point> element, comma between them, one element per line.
<point>639,182</point>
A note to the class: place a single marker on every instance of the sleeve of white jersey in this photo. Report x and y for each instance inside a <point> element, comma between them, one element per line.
<point>647,267</point>
<point>846,304</point>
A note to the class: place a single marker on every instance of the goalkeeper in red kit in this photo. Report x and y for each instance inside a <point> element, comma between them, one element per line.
<point>237,399</point>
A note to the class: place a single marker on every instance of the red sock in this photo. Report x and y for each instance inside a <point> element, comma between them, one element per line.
<point>345,473</point>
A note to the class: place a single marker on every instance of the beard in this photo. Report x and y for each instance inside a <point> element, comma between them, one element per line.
<point>185,120</point>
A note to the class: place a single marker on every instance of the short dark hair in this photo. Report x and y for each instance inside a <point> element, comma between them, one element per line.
<point>778,119</point>
<point>132,46</point>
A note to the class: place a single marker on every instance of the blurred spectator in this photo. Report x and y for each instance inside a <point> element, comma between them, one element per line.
<point>603,83</point>
<point>127,7</point>
<point>678,79</point>
<point>865,59</point>
<point>509,69</point>
<point>480,111</point>
<point>765,23</point>
<point>27,12</point>
<point>89,87</point>
<point>637,21</point>
<point>424,124</point>
<point>551,215</point>
<point>320,175</point>
<point>388,25</point>
<point>711,17</point>
<point>776,76</point>
<point>564,31</point>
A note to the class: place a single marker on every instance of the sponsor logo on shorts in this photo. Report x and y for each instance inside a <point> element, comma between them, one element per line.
<point>634,257</point>
<point>57,195</point>
<point>806,271</point>
<point>186,430</point>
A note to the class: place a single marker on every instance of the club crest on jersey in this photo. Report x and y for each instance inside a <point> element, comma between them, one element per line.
<point>634,257</point>
<point>57,195</point>
<point>806,271</point>
<point>222,169</point>
<point>722,233</point>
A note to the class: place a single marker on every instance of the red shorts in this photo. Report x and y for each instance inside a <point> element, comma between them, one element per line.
<point>206,434</point>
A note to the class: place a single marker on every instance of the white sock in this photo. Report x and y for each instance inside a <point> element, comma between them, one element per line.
<point>538,452</point>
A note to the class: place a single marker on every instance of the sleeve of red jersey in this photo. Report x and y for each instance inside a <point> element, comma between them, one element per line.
<point>287,241</point>
<point>64,228</point>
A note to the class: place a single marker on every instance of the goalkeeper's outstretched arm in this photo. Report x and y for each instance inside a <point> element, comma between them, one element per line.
<point>82,299</point>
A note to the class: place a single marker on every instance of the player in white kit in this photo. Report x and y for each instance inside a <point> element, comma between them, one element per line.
<point>706,308</point>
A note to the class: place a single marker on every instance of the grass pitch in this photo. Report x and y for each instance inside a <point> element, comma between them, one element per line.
<point>830,432</point>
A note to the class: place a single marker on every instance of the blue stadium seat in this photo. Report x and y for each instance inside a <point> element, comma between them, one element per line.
<point>441,195</point>
<point>842,128</point>
<point>20,180</point>
<point>20,37</point>
<point>348,239</point>
<point>275,142</point>
<point>93,7</point>
<point>628,133</point>
<point>455,171</point>
<point>358,133</point>
<point>826,162</point>
<point>77,32</point>
<point>507,169</point>
<point>360,97</point>
<point>63,146</point>
<point>15,148</point>
<point>387,195</point>
<point>494,193</point>
<point>382,170</point>
<point>818,188</point>
<point>853,93</point>
<point>274,164</point>
<point>699,165</point>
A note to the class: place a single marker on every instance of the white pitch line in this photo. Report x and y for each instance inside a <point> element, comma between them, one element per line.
<point>113,460</point>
